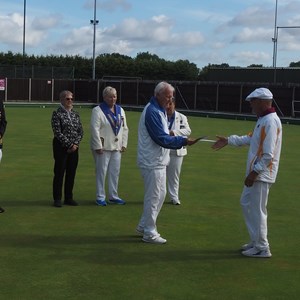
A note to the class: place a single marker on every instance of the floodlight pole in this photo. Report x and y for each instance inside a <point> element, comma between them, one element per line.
<point>94,22</point>
<point>24,25</point>
<point>274,39</point>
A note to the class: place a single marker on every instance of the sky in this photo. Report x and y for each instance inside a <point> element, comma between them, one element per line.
<point>235,32</point>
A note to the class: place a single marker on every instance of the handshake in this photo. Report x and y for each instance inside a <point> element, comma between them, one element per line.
<point>192,141</point>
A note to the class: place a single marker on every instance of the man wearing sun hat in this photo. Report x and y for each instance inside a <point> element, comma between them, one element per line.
<point>262,167</point>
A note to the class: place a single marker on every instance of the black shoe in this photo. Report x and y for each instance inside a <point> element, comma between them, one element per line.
<point>57,203</point>
<point>71,202</point>
<point>2,210</point>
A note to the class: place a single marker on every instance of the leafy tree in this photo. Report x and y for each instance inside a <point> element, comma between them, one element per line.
<point>147,56</point>
<point>255,66</point>
<point>294,64</point>
<point>185,69</point>
<point>145,65</point>
<point>203,74</point>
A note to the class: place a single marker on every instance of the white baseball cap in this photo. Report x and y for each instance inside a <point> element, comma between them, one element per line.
<point>260,93</point>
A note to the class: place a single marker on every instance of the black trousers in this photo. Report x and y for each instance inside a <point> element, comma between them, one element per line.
<point>65,165</point>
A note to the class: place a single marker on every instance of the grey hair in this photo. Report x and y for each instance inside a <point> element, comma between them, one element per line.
<point>109,90</point>
<point>63,94</point>
<point>162,86</point>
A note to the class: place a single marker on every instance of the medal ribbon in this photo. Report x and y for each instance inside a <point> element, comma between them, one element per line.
<point>115,120</point>
<point>171,121</point>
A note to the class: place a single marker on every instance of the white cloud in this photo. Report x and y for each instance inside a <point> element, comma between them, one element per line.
<point>253,35</point>
<point>212,17</point>
<point>251,57</point>
<point>218,45</point>
<point>11,24</point>
<point>288,40</point>
<point>47,22</point>
<point>253,17</point>
<point>155,32</point>
<point>233,32</point>
<point>75,42</point>
<point>120,46</point>
<point>156,28</point>
<point>13,33</point>
<point>109,5</point>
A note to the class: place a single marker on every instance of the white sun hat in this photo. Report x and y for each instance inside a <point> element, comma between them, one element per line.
<point>260,93</point>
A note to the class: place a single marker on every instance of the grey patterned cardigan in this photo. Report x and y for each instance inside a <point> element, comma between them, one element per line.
<point>67,127</point>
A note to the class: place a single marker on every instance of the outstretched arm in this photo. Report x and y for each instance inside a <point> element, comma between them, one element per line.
<point>220,143</point>
<point>192,141</point>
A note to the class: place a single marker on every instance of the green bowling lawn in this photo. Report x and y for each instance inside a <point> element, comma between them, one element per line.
<point>90,252</point>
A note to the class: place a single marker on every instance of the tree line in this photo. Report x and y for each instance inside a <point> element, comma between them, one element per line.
<point>145,65</point>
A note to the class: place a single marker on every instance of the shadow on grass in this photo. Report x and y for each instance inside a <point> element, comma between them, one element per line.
<point>122,249</point>
<point>14,203</point>
<point>19,203</point>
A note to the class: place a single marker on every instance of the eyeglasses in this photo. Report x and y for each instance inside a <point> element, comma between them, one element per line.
<point>170,98</point>
<point>69,98</point>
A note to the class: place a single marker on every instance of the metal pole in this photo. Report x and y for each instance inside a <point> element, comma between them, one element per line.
<point>275,55</point>
<point>24,25</point>
<point>275,42</point>
<point>275,37</point>
<point>94,23</point>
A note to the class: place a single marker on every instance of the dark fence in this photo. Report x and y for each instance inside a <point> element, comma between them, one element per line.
<point>201,96</point>
<point>254,75</point>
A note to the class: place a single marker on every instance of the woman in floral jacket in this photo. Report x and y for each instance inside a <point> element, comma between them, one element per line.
<point>3,123</point>
<point>68,133</point>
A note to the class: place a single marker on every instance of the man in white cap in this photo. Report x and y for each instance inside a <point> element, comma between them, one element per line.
<point>262,167</point>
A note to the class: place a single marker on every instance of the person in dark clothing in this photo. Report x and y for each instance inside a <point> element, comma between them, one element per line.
<point>3,124</point>
<point>68,133</point>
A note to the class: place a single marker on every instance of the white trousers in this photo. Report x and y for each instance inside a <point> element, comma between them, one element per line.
<point>0,154</point>
<point>173,175</point>
<point>155,193</point>
<point>107,164</point>
<point>254,202</point>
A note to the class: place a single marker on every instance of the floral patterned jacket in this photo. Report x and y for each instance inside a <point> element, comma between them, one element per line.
<point>67,127</point>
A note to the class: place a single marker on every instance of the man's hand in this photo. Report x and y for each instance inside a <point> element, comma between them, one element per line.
<point>192,141</point>
<point>99,151</point>
<point>220,143</point>
<point>250,179</point>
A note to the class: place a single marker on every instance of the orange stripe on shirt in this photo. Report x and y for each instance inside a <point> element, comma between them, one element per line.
<point>261,142</point>
<point>260,147</point>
